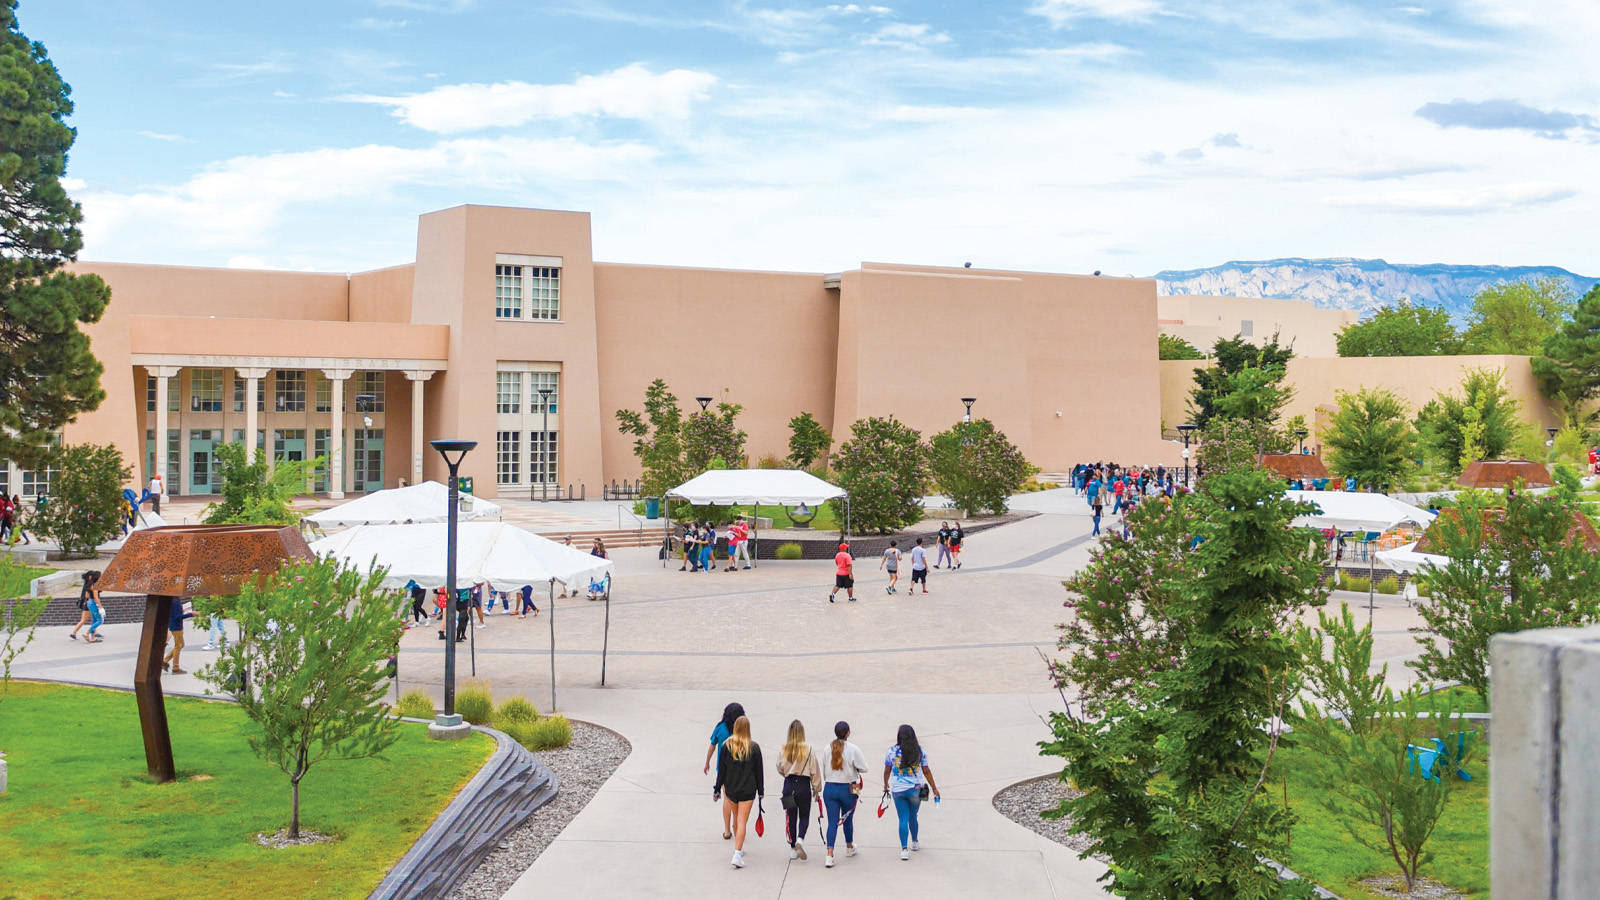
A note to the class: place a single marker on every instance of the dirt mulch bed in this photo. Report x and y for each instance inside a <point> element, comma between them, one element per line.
<point>1023,802</point>
<point>1395,886</point>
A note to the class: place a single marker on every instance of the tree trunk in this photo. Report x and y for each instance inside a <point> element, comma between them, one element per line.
<point>294,817</point>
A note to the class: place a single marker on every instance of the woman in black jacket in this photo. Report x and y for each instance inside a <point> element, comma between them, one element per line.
<point>739,781</point>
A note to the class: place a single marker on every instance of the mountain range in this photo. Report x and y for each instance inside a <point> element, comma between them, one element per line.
<point>1360,284</point>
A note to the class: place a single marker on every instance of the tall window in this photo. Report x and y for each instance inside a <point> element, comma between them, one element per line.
<point>174,394</point>
<point>508,457</point>
<point>289,391</point>
<point>36,482</point>
<point>369,392</point>
<point>324,395</point>
<point>508,392</point>
<point>507,292</point>
<point>549,381</point>
<point>544,292</point>
<point>205,390</point>
<point>542,456</point>
<point>238,394</point>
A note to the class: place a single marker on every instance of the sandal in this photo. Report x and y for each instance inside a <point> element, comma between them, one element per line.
<point>727,835</point>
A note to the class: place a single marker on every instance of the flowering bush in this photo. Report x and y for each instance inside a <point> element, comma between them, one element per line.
<point>80,513</point>
<point>884,469</point>
<point>977,467</point>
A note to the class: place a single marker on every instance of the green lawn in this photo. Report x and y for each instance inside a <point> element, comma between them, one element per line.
<point>82,819</point>
<point>15,580</point>
<point>1466,700</point>
<point>1324,851</point>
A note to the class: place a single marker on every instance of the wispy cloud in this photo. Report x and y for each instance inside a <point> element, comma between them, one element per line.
<point>370,23</point>
<point>1508,115</point>
<point>1228,139</point>
<point>435,6</point>
<point>276,64</point>
<point>906,36</point>
<point>1062,13</point>
<point>163,136</point>
<point>631,92</point>
<point>1456,201</point>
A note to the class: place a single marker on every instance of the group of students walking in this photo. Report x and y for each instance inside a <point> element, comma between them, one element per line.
<point>834,780</point>
<point>699,540</point>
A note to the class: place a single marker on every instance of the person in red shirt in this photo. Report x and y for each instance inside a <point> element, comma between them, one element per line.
<point>842,564</point>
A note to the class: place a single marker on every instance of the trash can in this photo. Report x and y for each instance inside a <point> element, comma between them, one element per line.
<point>652,507</point>
<point>464,483</point>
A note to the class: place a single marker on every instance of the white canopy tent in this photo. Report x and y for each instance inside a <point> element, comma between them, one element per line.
<point>753,487</point>
<point>1407,560</point>
<point>428,501</point>
<point>1351,511</point>
<point>496,554</point>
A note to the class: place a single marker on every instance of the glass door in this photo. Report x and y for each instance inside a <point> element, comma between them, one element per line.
<point>203,476</point>
<point>366,472</point>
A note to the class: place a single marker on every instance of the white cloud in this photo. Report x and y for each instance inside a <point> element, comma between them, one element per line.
<point>1456,201</point>
<point>438,6</point>
<point>73,184</point>
<point>631,92</point>
<point>907,36</point>
<point>1062,13</point>
<point>276,64</point>
<point>163,136</point>
<point>369,23</point>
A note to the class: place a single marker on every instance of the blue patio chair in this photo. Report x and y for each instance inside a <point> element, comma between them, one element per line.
<point>1451,757</point>
<point>1422,759</point>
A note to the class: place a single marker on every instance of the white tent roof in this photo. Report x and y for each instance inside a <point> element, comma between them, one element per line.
<point>786,487</point>
<point>428,501</point>
<point>1351,511</point>
<point>1406,559</point>
<point>503,556</point>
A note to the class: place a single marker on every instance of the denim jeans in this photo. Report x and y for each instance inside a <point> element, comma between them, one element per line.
<point>906,804</point>
<point>841,805</point>
<point>217,633</point>
<point>96,619</point>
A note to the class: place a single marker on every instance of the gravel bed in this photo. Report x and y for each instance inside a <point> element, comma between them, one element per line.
<point>1022,802</point>
<point>581,766</point>
<point>1395,886</point>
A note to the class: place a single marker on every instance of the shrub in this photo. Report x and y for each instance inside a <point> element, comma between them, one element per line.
<point>1358,583</point>
<point>884,469</point>
<point>548,733</point>
<point>977,466</point>
<point>475,703</point>
<point>790,551</point>
<point>808,440</point>
<point>82,509</point>
<point>516,709</point>
<point>415,705</point>
<point>771,461</point>
<point>1388,585</point>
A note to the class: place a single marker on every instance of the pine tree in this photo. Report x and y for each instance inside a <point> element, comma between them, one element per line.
<point>47,373</point>
<point>1569,370</point>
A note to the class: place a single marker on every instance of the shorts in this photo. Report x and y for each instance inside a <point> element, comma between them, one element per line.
<point>919,575</point>
<point>893,569</point>
<point>843,581</point>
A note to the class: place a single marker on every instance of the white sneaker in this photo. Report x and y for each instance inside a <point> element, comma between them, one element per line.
<point>904,853</point>
<point>793,853</point>
<point>914,846</point>
<point>209,647</point>
<point>849,851</point>
<point>738,859</point>
<point>829,863</point>
<point>481,625</point>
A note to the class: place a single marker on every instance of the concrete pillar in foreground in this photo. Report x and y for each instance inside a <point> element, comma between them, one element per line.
<point>336,436</point>
<point>418,445</point>
<point>252,385</point>
<point>1544,769</point>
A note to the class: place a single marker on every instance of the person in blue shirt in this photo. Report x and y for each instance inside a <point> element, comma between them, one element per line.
<point>905,776</point>
<point>175,625</point>
<point>720,733</point>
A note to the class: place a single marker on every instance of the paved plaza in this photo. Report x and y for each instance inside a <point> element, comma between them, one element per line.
<point>961,663</point>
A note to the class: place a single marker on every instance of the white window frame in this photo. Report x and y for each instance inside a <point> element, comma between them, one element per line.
<point>205,390</point>
<point>508,393</point>
<point>508,457</point>
<point>527,288</point>
<point>289,391</point>
<point>371,383</point>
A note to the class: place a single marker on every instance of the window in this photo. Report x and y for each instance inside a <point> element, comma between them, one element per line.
<point>289,444</point>
<point>544,292</point>
<point>261,437</point>
<point>508,392</point>
<point>174,448</point>
<point>205,390</point>
<point>549,381</point>
<point>508,457</point>
<point>369,392</point>
<point>507,292</point>
<point>1247,328</point>
<point>324,394</point>
<point>5,480</point>
<point>174,394</point>
<point>542,456</point>
<point>36,482</point>
<point>289,391</point>
<point>238,394</point>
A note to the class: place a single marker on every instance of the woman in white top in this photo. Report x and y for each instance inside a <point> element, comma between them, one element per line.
<point>842,769</point>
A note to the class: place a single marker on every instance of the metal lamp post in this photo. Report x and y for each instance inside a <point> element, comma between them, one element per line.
<point>967,402</point>
<point>448,723</point>
<point>1184,430</point>
<point>704,402</point>
<point>544,445</point>
<point>1301,434</point>
<point>1552,433</point>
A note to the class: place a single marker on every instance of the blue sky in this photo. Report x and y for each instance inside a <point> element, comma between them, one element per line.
<point>1069,135</point>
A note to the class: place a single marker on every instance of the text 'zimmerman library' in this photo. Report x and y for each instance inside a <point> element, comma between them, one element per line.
<point>506,331</point>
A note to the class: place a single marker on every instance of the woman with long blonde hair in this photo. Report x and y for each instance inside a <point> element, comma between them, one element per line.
<point>843,766</point>
<point>802,778</point>
<point>739,781</point>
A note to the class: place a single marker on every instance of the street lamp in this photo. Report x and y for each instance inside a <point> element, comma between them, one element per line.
<point>1184,430</point>
<point>704,402</point>
<point>1301,434</point>
<point>448,723</point>
<point>544,444</point>
<point>968,401</point>
<point>1552,433</point>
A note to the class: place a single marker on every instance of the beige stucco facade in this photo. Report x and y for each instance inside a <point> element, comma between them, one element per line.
<point>503,302</point>
<point>1203,320</point>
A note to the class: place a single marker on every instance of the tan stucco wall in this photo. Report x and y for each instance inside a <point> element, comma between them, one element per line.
<point>285,337</point>
<point>1202,320</point>
<point>382,295</point>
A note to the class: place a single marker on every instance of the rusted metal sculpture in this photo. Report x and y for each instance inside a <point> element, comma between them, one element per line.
<point>1502,473</point>
<point>1294,465</point>
<point>175,563</point>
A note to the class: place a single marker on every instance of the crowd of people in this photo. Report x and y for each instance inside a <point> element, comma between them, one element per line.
<point>834,780</point>
<point>1123,487</point>
<point>478,601</point>
<point>12,514</point>
<point>698,542</point>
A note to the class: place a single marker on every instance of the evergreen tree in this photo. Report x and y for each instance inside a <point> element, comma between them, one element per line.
<point>47,373</point>
<point>1235,356</point>
<point>1479,423</point>
<point>1569,370</point>
<point>1369,437</point>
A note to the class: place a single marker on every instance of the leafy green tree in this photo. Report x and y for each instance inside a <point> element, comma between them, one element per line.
<point>658,438</point>
<point>1521,567</point>
<point>1517,317</point>
<point>1370,437</point>
<point>254,495</point>
<point>1481,422</point>
<point>884,469</point>
<point>1234,356</point>
<point>319,638</point>
<point>977,467</point>
<point>19,620</point>
<point>711,435</point>
<point>82,512</point>
<point>808,440</point>
<point>1173,347</point>
<point>1569,367</point>
<point>1401,330</point>
<point>1342,679</point>
<point>47,373</point>
<point>1174,770</point>
<point>1228,445</point>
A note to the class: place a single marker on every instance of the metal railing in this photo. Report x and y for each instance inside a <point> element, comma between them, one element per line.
<point>624,491</point>
<point>547,491</point>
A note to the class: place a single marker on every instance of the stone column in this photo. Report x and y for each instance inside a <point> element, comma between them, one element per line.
<point>161,374</point>
<point>252,384</point>
<point>336,437</point>
<point>418,379</point>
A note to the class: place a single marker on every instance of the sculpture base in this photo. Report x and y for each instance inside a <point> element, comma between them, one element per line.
<point>448,728</point>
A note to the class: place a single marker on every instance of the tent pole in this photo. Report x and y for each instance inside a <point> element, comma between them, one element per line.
<point>605,640</point>
<point>1371,589</point>
<point>552,645</point>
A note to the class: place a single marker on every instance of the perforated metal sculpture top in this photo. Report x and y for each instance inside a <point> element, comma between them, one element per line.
<point>1498,473</point>
<point>1294,465</point>
<point>201,560</point>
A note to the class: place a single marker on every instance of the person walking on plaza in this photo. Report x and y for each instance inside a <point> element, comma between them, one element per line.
<point>907,778</point>
<point>720,733</point>
<point>155,489</point>
<point>891,560</point>
<point>802,778</point>
<point>744,543</point>
<point>175,625</point>
<point>919,568</point>
<point>944,545</point>
<point>419,596</point>
<point>1098,509</point>
<point>689,553</point>
<point>88,592</point>
<point>842,771</point>
<point>708,549</point>
<point>215,633</point>
<point>5,518</point>
<point>740,782</point>
<point>842,565</point>
<point>958,537</point>
<point>527,602</point>
<point>17,516</point>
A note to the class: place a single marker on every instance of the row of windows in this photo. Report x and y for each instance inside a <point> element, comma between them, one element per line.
<point>288,392</point>
<point>30,482</point>
<point>542,388</point>
<point>527,292</point>
<point>541,457</point>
